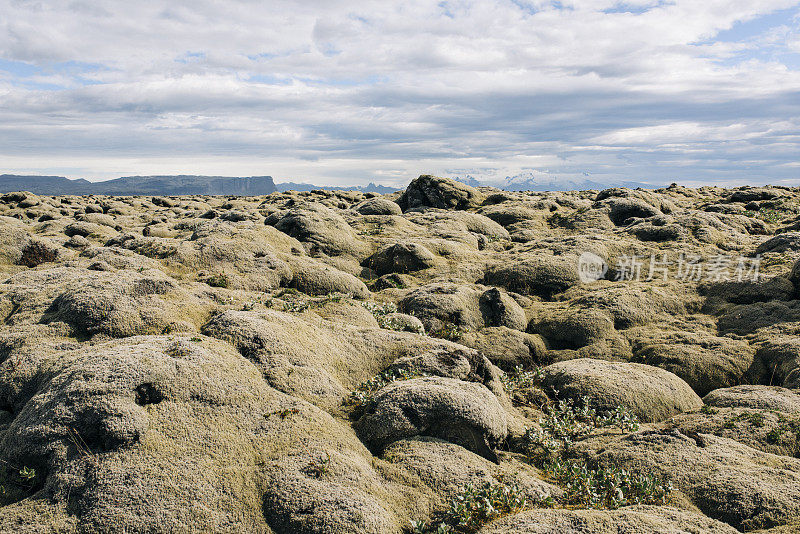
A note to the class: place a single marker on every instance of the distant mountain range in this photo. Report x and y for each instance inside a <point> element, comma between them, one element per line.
<point>369,188</point>
<point>140,185</point>
<point>542,182</point>
<point>264,185</point>
<point>163,185</point>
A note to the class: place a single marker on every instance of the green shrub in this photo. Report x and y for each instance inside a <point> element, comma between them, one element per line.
<point>450,332</point>
<point>218,280</point>
<point>296,305</point>
<point>519,378</point>
<point>473,507</point>
<point>566,421</point>
<point>16,483</point>
<point>298,302</point>
<point>600,486</point>
<point>605,486</point>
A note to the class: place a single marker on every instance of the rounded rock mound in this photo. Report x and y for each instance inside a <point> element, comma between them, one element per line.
<point>755,397</point>
<point>642,519</point>
<point>436,192</point>
<point>465,413</point>
<point>378,206</point>
<point>650,393</point>
<point>543,276</point>
<point>401,258</point>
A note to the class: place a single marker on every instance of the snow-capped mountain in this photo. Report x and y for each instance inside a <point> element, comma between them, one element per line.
<point>543,181</point>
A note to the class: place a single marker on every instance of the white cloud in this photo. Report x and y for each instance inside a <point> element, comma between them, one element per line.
<point>351,92</point>
<point>687,133</point>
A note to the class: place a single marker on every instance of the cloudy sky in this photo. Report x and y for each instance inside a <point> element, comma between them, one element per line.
<point>343,92</point>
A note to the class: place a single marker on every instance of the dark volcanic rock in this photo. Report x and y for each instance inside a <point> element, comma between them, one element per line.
<point>435,192</point>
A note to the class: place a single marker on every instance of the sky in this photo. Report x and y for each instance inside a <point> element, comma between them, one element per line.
<point>344,93</point>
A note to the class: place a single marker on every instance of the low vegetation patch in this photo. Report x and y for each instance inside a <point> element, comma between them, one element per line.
<point>450,332</point>
<point>217,280</point>
<point>708,410</point>
<point>605,486</point>
<point>296,302</point>
<point>786,433</point>
<point>549,447</point>
<point>774,214</point>
<point>473,507</point>
<point>372,230</point>
<point>365,392</point>
<point>380,309</point>
<point>566,421</point>
<point>586,485</point>
<point>383,313</point>
<point>520,379</point>
<point>16,483</point>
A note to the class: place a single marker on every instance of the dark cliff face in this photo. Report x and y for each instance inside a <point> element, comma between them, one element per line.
<point>188,185</point>
<point>44,185</point>
<point>141,185</point>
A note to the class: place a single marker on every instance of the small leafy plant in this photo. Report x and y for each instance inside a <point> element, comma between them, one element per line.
<point>296,306</point>
<point>755,419</point>
<point>334,296</point>
<point>382,311</point>
<point>16,483</point>
<point>297,302</point>
<point>250,305</point>
<point>218,280</point>
<point>450,332</point>
<point>774,436</point>
<point>365,392</point>
<point>283,413</point>
<point>421,527</point>
<point>379,309</point>
<point>781,433</point>
<point>319,466</point>
<point>520,378</point>
<point>474,506</point>
<point>566,421</point>
<point>585,485</point>
<point>393,323</point>
<point>773,214</point>
<point>605,486</point>
<point>377,229</point>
